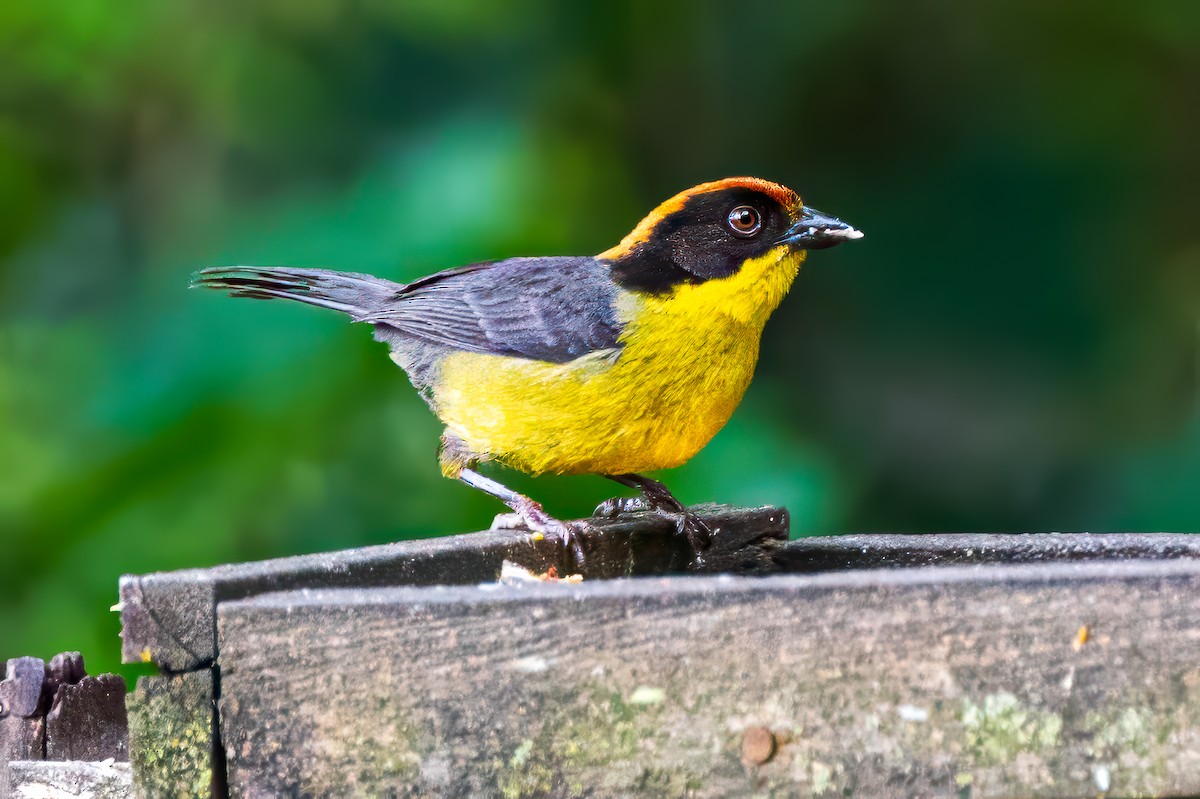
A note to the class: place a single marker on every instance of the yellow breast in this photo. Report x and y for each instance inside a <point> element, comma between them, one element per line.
<point>687,359</point>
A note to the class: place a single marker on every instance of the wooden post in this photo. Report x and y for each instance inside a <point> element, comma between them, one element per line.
<point>22,722</point>
<point>1032,680</point>
<point>170,618</point>
<point>88,722</point>
<point>874,665</point>
<point>49,779</point>
<point>173,744</point>
<point>55,712</point>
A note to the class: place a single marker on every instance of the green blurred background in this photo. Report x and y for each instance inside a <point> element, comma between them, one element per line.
<point>1012,347</point>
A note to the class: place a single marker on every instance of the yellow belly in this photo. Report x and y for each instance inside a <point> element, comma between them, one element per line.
<point>687,360</point>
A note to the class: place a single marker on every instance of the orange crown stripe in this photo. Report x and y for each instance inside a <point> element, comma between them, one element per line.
<point>781,194</point>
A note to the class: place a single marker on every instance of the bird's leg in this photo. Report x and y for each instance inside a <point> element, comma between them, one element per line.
<point>657,497</point>
<point>652,496</point>
<point>528,511</point>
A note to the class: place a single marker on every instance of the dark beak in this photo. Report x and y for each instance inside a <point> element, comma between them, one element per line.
<point>816,231</point>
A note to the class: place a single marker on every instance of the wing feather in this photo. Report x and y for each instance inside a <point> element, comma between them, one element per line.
<point>549,309</point>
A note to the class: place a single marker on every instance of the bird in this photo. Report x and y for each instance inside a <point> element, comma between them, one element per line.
<point>615,364</point>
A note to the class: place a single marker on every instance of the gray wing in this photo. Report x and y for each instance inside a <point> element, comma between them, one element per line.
<point>547,309</point>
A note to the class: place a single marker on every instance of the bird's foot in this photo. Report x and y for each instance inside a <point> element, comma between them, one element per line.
<point>529,515</point>
<point>690,526</point>
<point>508,521</point>
<point>612,508</point>
<point>687,524</point>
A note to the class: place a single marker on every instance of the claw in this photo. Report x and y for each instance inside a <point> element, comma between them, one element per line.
<point>698,535</point>
<point>657,498</point>
<point>531,516</point>
<point>571,535</point>
<point>508,521</point>
<point>614,507</point>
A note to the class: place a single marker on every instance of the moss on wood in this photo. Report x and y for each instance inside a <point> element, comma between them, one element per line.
<point>171,735</point>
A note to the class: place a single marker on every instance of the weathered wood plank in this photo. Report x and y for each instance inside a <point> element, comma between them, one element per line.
<point>889,551</point>
<point>65,668</point>
<point>87,721</point>
<point>172,741</point>
<point>47,779</point>
<point>1029,680</point>
<point>22,725</point>
<point>55,711</point>
<point>169,618</point>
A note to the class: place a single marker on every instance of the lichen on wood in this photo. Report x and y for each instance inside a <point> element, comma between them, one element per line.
<point>171,736</point>
<point>955,682</point>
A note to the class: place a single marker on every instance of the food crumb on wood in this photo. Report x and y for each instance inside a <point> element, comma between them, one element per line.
<point>515,574</point>
<point>1081,637</point>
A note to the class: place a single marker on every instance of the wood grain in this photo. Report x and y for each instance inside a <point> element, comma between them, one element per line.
<point>170,618</point>
<point>922,682</point>
<point>22,718</point>
<point>890,551</point>
<point>87,721</point>
<point>48,779</point>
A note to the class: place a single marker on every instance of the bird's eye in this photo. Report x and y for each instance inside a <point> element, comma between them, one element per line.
<point>744,221</point>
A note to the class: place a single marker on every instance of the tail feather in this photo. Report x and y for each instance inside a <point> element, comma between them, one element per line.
<point>348,292</point>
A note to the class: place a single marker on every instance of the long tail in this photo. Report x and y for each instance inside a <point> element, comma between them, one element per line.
<point>353,294</point>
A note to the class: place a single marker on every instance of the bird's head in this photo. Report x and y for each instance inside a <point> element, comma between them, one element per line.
<point>712,230</point>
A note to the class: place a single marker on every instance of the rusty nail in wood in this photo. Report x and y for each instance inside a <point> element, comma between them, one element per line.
<point>758,746</point>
